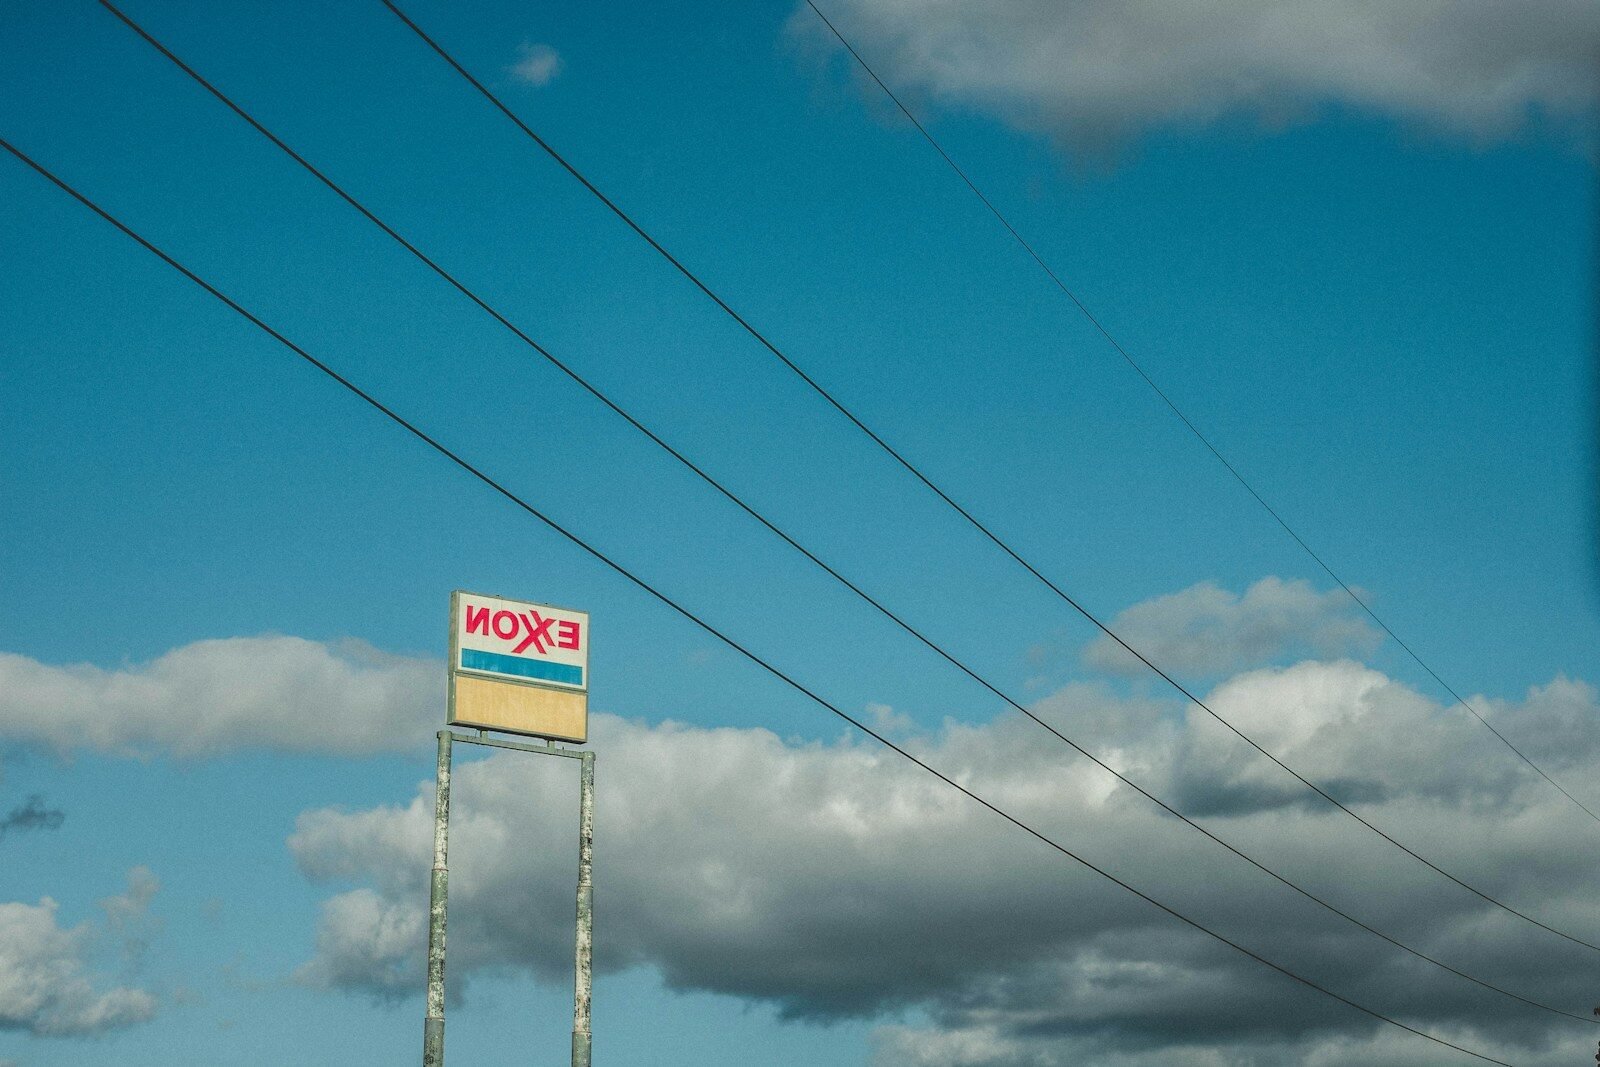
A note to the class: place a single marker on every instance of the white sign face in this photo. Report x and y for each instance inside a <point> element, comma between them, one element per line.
<point>521,642</point>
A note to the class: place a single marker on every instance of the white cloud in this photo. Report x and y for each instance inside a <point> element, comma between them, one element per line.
<point>44,989</point>
<point>218,696</point>
<point>1097,72</point>
<point>128,913</point>
<point>130,907</point>
<point>1209,630</point>
<point>834,880</point>
<point>537,64</point>
<point>366,941</point>
<point>831,880</point>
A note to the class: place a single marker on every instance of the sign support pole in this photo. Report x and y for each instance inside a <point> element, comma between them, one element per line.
<point>518,667</point>
<point>581,1037</point>
<point>433,1026</point>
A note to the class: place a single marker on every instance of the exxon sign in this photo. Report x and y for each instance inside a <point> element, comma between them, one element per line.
<point>534,644</point>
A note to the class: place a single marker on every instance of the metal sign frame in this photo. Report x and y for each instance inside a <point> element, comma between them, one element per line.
<point>439,892</point>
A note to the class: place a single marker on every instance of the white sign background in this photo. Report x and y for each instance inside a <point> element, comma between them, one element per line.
<point>520,641</point>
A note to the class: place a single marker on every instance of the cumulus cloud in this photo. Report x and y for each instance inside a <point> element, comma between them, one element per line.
<point>537,64</point>
<point>45,989</point>
<point>1098,72</point>
<point>834,880</point>
<point>1207,630</point>
<point>218,696</point>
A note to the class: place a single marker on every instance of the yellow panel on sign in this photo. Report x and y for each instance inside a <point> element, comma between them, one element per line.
<point>519,709</point>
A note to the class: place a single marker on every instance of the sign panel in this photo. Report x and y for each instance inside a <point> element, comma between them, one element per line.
<point>519,666</point>
<point>510,639</point>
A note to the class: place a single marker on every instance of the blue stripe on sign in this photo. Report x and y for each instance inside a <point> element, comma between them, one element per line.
<point>473,660</point>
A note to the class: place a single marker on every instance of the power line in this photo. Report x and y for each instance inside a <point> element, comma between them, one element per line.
<point>927,482</point>
<point>685,613</point>
<point>739,502</point>
<point>1172,405</point>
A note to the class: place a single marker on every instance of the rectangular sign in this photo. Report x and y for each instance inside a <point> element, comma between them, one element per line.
<point>519,666</point>
<point>520,641</point>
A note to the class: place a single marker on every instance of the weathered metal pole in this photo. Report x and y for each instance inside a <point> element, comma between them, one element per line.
<point>433,1026</point>
<point>581,1038</point>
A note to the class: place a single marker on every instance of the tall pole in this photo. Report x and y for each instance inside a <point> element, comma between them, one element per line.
<point>433,1026</point>
<point>581,1037</point>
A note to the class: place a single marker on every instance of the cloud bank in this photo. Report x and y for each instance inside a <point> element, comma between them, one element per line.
<point>1208,630</point>
<point>285,694</point>
<point>45,989</point>
<point>1095,73</point>
<point>831,880</point>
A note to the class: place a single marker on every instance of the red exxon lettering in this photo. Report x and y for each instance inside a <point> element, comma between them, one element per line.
<point>538,628</point>
<point>567,634</point>
<point>507,632</point>
<point>477,620</point>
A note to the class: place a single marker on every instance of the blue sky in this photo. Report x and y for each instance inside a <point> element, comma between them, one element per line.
<point>1383,314</point>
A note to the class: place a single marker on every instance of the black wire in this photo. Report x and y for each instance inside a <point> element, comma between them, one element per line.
<point>739,502</point>
<point>1193,429</point>
<point>646,587</point>
<point>915,472</point>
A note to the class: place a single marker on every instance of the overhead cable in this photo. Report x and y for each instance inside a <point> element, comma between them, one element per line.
<point>1166,399</point>
<point>942,495</point>
<point>640,583</point>
<point>751,511</point>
